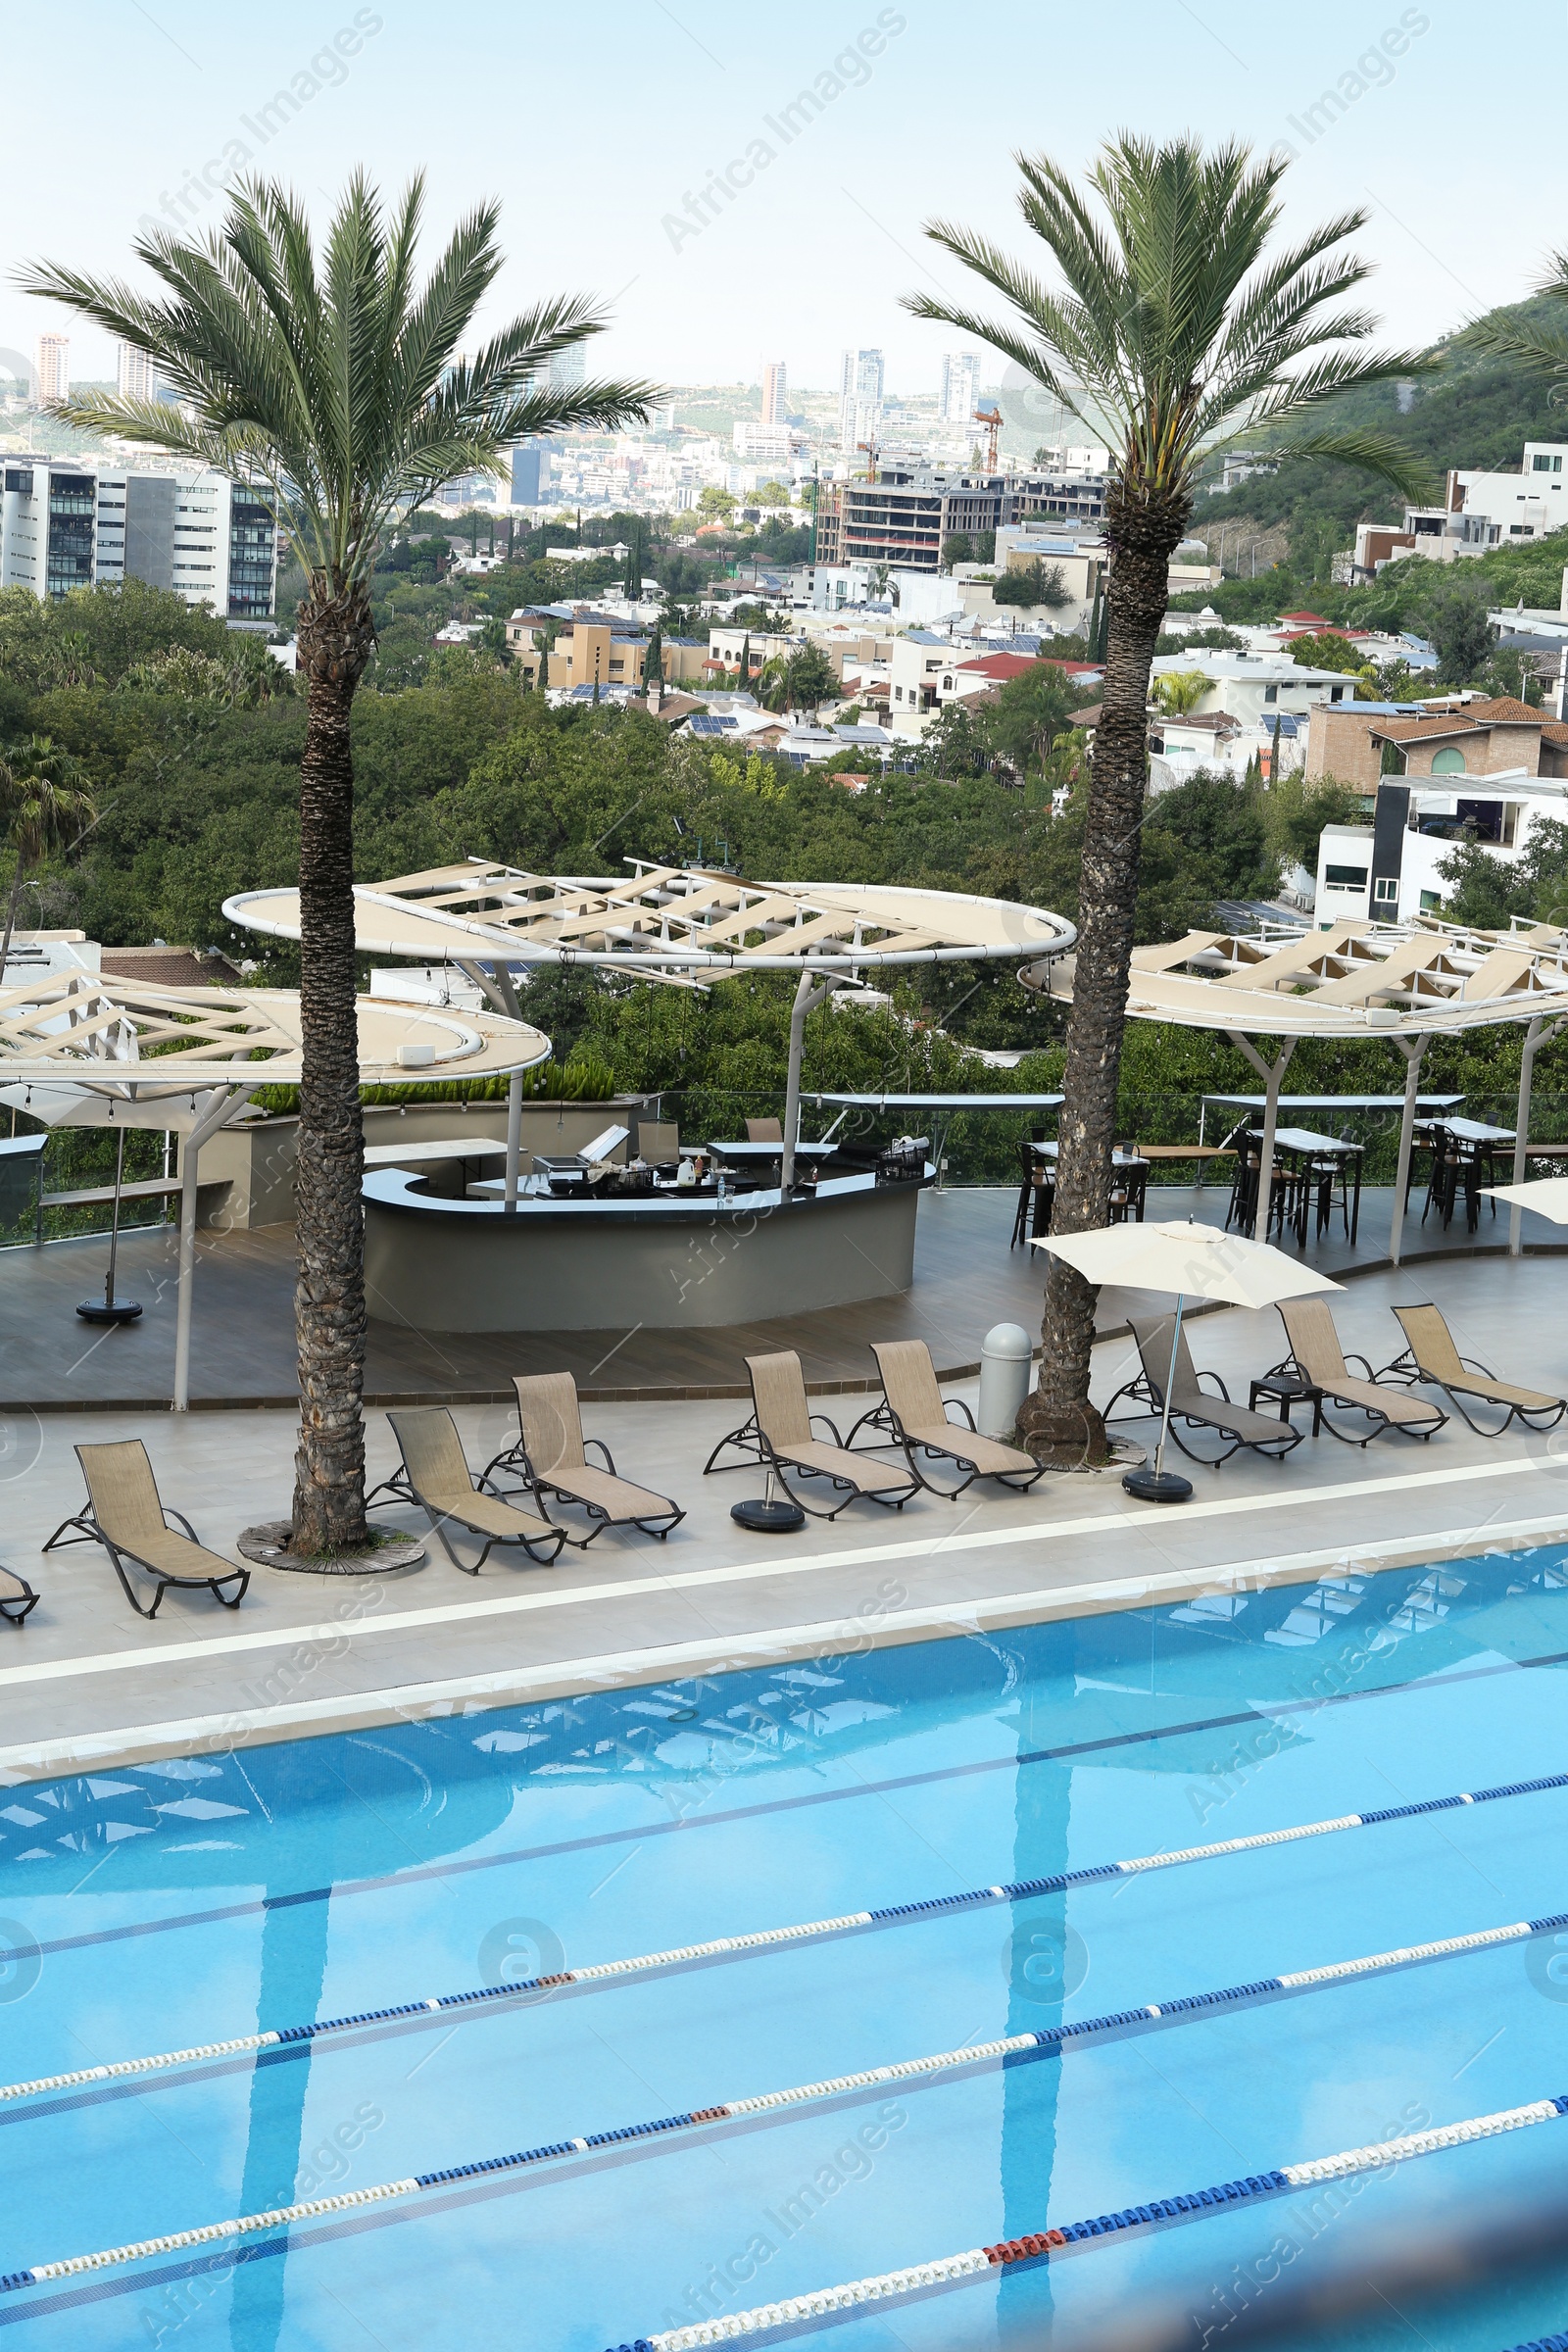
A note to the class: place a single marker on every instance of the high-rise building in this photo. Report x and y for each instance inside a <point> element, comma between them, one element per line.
<point>960,386</point>
<point>65,525</point>
<point>774,395</point>
<point>134,375</point>
<point>566,369</point>
<point>51,360</point>
<point>859,398</point>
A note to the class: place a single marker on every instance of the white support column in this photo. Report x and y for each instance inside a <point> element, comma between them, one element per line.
<point>514,1136</point>
<point>216,1108</point>
<point>807,1000</point>
<point>1271,1073</point>
<point>1535,1036</point>
<point>1413,1047</point>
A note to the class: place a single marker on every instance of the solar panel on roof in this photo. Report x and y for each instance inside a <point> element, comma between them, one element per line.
<point>705,723</point>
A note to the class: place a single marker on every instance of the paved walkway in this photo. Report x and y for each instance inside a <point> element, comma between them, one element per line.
<point>87,1679</point>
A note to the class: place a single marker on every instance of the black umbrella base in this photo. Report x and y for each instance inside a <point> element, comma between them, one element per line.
<point>1158,1486</point>
<point>111,1310</point>
<point>768,1518</point>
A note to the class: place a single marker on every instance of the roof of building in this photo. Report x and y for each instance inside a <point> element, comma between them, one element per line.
<point>169,967</point>
<point>1001,666</point>
<point>1210,723</point>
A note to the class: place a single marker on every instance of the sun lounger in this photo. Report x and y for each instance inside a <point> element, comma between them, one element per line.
<point>550,1458</point>
<point>1316,1355</point>
<point>17,1596</point>
<point>126,1515</point>
<point>441,1484</point>
<point>913,1414</point>
<point>764,1131</point>
<point>1431,1356</point>
<point>779,1433</point>
<point>1189,1403</point>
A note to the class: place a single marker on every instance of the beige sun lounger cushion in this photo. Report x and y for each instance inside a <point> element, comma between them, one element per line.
<point>125,1503</point>
<point>1315,1345</point>
<point>438,1471</point>
<point>1432,1346</point>
<point>778,1389</point>
<point>910,1385</point>
<point>552,1438</point>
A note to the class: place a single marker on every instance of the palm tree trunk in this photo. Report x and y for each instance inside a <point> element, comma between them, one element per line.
<point>335,640</point>
<point>1059,1422</point>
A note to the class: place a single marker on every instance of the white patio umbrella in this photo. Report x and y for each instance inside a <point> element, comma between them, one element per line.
<point>1196,1261</point>
<point>1547,1196</point>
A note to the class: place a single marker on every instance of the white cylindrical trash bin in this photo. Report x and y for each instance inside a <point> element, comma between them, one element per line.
<point>1006,1361</point>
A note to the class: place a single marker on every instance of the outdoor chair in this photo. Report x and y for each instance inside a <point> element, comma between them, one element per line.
<point>1315,1354</point>
<point>913,1414</point>
<point>126,1516</point>
<point>1190,1405</point>
<point>779,1435</point>
<point>764,1131</point>
<point>1431,1356</point>
<point>550,1458</point>
<point>437,1478</point>
<point>17,1598</point>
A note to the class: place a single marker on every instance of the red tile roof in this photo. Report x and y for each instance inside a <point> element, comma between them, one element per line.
<point>1001,666</point>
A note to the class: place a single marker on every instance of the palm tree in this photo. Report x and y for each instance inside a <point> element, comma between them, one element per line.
<point>1180,691</point>
<point>1177,325</point>
<point>338,384</point>
<point>44,808</point>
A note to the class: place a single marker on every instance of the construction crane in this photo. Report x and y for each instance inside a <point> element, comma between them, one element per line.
<point>873,450</point>
<point>991,418</point>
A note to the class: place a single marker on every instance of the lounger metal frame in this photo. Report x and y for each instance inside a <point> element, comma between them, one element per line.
<point>17,1612</point>
<point>89,1532</point>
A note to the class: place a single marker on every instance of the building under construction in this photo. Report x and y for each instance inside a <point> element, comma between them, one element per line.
<point>905,516</point>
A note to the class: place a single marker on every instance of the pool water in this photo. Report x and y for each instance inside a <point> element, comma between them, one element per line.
<point>197,1899</point>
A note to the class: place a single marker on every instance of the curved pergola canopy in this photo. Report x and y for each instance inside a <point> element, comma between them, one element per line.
<point>668,919</point>
<point>1353,980</point>
<point>132,1043</point>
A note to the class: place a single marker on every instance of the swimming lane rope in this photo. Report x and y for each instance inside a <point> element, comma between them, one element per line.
<point>762,1940</point>
<point>1050,2040</point>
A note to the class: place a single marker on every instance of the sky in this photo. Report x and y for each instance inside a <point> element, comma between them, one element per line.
<point>598,127</point>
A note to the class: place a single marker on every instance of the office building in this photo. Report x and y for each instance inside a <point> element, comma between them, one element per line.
<point>566,369</point>
<point>960,386</point>
<point>859,398</point>
<point>67,525</point>
<point>51,360</point>
<point>775,398</point>
<point>529,469</point>
<point>134,375</point>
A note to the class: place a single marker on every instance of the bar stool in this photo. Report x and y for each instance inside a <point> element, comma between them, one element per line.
<point>1036,1197</point>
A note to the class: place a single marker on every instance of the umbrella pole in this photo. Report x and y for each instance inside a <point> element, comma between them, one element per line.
<point>113,1309</point>
<point>1171,1382</point>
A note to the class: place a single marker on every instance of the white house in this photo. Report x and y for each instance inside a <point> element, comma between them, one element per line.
<point>1253,687</point>
<point>1389,870</point>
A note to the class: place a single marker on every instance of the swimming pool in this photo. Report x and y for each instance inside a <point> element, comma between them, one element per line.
<point>200,1900</point>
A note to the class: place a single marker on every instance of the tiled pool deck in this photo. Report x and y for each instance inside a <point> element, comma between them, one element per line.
<point>88,1681</point>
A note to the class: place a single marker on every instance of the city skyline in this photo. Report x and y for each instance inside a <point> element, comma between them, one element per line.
<point>722,152</point>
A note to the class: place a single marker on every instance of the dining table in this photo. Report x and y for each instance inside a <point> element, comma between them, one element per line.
<point>1299,1148</point>
<point>1478,1145</point>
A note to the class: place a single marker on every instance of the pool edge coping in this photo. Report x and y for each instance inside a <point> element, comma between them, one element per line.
<point>874,1628</point>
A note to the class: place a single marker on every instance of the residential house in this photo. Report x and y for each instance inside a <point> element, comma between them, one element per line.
<point>1254,687</point>
<point>1391,870</point>
<point>1477,735</point>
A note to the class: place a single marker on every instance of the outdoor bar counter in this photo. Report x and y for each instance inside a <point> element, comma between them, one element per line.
<point>670,1259</point>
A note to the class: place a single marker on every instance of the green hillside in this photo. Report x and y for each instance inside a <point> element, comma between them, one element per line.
<point>1470,410</point>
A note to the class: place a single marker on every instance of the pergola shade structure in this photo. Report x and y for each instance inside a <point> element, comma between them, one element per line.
<point>1409,982</point>
<point>192,1059</point>
<point>671,923</point>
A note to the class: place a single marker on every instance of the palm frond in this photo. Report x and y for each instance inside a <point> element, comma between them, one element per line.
<point>323,372</point>
<point>1383,454</point>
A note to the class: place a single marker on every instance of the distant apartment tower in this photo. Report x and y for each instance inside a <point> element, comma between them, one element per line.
<point>65,525</point>
<point>51,360</point>
<point>134,376</point>
<point>859,398</point>
<point>775,398</point>
<point>566,369</point>
<point>960,386</point>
